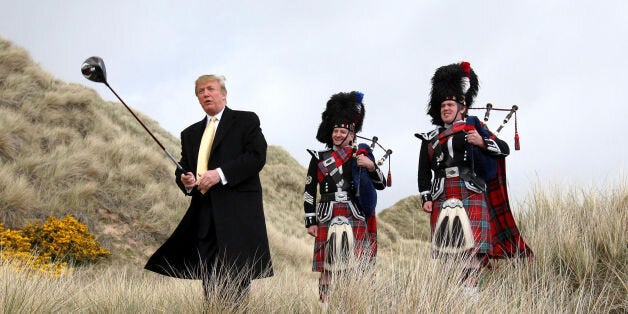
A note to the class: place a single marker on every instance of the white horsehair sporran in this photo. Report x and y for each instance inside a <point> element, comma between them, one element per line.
<point>453,233</point>
<point>340,244</point>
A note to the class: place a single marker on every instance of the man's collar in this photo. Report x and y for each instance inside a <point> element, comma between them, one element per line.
<point>218,115</point>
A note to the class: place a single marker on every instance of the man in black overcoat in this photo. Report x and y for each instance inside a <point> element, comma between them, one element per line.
<point>222,237</point>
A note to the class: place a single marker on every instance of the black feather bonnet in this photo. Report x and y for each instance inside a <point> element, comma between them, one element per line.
<point>456,82</point>
<point>344,110</point>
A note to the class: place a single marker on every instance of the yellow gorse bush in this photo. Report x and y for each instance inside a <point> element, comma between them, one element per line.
<point>13,240</point>
<point>50,246</point>
<point>66,240</point>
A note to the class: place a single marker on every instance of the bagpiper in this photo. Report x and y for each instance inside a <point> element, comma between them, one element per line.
<point>462,178</point>
<point>346,176</point>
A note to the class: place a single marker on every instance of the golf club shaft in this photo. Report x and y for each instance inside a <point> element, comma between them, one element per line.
<point>145,128</point>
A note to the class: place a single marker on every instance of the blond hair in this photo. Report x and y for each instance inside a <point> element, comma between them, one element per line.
<point>208,78</point>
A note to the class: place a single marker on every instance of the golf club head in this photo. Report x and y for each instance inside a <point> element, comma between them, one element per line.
<point>94,70</point>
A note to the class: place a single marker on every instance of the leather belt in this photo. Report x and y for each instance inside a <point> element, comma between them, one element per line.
<point>335,197</point>
<point>464,173</point>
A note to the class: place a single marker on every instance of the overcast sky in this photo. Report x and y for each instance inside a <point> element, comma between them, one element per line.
<point>562,63</point>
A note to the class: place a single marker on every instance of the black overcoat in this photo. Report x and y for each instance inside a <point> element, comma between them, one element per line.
<point>239,149</point>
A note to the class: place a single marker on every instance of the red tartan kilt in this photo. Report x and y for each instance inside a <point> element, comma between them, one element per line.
<point>371,226</point>
<point>476,208</point>
<point>359,234</point>
<point>507,242</point>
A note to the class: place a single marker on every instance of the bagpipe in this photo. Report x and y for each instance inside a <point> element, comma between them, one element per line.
<point>374,142</point>
<point>511,111</point>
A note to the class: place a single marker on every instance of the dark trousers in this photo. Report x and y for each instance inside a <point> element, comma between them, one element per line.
<point>218,277</point>
<point>223,280</point>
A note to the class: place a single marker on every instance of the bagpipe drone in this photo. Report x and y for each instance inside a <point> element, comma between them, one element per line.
<point>387,152</point>
<point>512,111</point>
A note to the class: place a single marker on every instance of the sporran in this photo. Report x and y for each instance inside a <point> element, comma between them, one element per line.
<point>340,244</point>
<point>452,233</point>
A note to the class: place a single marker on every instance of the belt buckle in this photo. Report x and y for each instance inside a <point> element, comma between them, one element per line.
<point>341,196</point>
<point>328,161</point>
<point>452,172</point>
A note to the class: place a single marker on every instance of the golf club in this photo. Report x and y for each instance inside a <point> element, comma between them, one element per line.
<point>93,68</point>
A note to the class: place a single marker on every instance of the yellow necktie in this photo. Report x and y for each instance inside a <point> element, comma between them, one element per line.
<point>205,149</point>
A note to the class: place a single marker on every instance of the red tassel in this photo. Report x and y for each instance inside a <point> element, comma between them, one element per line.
<point>389,181</point>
